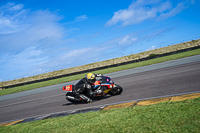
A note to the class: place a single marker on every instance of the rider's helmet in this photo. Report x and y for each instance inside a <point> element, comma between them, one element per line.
<point>90,78</point>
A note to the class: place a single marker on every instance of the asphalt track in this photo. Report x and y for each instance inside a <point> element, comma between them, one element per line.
<point>168,78</point>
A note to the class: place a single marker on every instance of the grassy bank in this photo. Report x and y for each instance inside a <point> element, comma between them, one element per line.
<point>104,71</point>
<point>181,117</point>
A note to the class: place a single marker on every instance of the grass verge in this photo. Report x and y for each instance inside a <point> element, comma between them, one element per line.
<point>104,71</point>
<point>182,117</point>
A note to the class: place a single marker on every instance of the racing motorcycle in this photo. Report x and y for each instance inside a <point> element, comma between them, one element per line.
<point>105,83</point>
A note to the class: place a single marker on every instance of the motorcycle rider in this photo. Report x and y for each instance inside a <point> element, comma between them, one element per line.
<point>84,86</point>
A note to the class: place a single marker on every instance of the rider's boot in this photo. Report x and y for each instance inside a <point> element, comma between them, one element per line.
<point>85,98</point>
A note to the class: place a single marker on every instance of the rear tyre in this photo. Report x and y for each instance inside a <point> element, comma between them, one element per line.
<point>116,90</point>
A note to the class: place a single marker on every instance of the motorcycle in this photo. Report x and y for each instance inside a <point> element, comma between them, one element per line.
<point>105,83</point>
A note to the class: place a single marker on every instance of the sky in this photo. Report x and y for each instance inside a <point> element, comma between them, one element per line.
<point>40,36</point>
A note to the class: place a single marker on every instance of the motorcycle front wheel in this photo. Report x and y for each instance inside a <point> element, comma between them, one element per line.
<point>116,90</point>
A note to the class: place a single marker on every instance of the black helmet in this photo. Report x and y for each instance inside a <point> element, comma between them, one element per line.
<point>90,78</point>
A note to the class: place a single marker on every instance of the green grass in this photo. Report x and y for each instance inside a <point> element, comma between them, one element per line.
<point>104,71</point>
<point>178,117</point>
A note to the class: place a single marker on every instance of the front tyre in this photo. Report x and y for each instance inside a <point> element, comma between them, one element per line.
<point>116,90</point>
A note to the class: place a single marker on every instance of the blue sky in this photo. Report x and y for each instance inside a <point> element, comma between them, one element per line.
<point>39,36</point>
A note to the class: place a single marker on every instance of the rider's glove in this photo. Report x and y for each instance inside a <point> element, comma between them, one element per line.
<point>88,86</point>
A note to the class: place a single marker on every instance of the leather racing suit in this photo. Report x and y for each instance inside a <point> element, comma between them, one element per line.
<point>84,91</point>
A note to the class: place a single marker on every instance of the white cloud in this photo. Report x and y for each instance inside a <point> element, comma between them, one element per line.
<point>28,40</point>
<point>16,7</point>
<point>173,12</point>
<point>126,40</point>
<point>141,10</point>
<point>21,30</point>
<point>151,48</point>
<point>34,42</point>
<point>74,54</point>
<point>22,63</point>
<point>81,18</point>
<point>12,18</point>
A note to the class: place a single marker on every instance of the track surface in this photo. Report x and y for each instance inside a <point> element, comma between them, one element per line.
<point>137,85</point>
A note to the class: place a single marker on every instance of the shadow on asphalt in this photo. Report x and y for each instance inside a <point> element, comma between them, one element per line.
<point>94,100</point>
